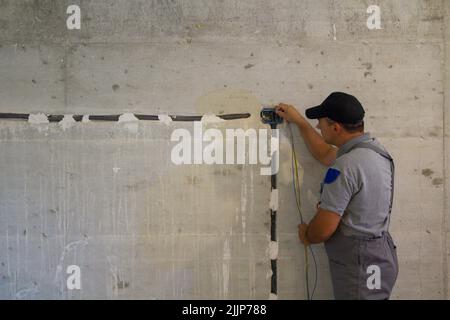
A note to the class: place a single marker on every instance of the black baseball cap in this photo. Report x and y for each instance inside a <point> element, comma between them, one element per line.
<point>338,106</point>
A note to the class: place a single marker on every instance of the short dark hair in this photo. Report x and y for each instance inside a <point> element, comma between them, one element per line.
<point>350,127</point>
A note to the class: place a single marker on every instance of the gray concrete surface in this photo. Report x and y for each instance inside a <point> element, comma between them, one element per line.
<point>107,198</point>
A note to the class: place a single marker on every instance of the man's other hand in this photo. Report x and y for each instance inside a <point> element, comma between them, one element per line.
<point>288,113</point>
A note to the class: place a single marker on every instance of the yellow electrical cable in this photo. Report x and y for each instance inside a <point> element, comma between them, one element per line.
<point>297,200</point>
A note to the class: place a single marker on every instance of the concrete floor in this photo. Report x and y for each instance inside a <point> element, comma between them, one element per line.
<point>106,197</point>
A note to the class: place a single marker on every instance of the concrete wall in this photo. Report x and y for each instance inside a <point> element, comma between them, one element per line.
<point>106,197</point>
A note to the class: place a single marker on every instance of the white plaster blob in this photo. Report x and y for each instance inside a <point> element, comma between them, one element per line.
<point>273,250</point>
<point>39,119</point>
<point>273,296</point>
<point>130,122</point>
<point>211,118</point>
<point>269,273</point>
<point>274,144</point>
<point>164,118</point>
<point>67,121</point>
<point>274,200</point>
<point>116,169</point>
<point>85,118</point>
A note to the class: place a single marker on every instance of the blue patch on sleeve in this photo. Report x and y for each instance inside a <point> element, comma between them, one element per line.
<point>331,175</point>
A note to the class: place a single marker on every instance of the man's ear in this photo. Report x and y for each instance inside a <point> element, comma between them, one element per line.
<point>337,127</point>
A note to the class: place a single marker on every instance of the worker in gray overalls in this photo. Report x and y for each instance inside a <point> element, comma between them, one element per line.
<point>356,198</point>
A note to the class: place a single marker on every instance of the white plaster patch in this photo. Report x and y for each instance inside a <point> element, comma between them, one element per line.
<point>211,118</point>
<point>40,121</point>
<point>273,250</point>
<point>269,273</point>
<point>116,169</point>
<point>38,118</point>
<point>85,118</point>
<point>275,143</point>
<point>164,118</point>
<point>127,117</point>
<point>274,200</point>
<point>273,296</point>
<point>130,122</point>
<point>67,121</point>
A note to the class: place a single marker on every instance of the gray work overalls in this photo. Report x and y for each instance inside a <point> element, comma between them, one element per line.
<point>355,258</point>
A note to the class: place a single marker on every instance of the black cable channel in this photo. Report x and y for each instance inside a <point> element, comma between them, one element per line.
<point>115,117</point>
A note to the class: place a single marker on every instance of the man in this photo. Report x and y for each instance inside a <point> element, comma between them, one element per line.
<point>353,214</point>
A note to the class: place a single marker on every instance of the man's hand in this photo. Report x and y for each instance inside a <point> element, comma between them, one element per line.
<point>289,113</point>
<point>302,233</point>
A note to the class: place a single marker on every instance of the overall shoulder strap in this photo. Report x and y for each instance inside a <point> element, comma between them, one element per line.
<point>384,154</point>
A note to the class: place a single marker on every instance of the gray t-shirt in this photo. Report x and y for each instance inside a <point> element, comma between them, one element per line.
<point>358,188</point>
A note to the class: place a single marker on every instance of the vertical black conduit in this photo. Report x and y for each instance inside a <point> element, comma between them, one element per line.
<point>273,237</point>
<point>273,226</point>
